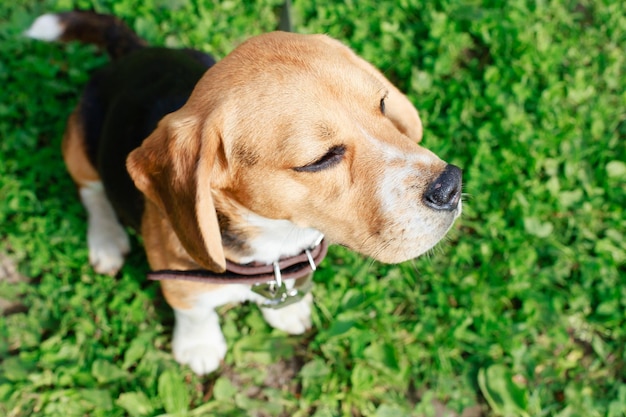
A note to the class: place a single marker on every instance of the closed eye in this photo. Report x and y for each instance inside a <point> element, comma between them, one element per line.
<point>329,160</point>
<point>382,105</point>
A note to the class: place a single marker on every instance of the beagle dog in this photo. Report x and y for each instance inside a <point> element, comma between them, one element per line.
<point>288,142</point>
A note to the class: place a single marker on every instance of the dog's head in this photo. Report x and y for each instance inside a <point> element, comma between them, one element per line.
<point>297,127</point>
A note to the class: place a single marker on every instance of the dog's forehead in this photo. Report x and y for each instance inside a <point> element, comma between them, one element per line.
<point>274,45</point>
<point>298,95</point>
<point>278,70</point>
<point>284,59</point>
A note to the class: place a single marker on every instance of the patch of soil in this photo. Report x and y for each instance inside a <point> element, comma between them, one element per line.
<point>280,375</point>
<point>9,274</point>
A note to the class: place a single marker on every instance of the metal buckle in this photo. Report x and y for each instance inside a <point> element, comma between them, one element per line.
<point>310,258</point>
<point>276,297</point>
<point>276,293</point>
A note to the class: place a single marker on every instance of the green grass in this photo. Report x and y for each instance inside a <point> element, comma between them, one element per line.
<point>521,312</point>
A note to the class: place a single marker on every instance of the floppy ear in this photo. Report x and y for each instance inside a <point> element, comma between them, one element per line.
<point>173,168</point>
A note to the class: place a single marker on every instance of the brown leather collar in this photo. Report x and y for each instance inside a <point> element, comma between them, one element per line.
<point>293,267</point>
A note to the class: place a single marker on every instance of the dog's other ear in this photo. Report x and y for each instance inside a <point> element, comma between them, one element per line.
<point>398,108</point>
<point>402,113</point>
<point>173,169</point>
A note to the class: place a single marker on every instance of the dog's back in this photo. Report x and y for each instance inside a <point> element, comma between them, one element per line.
<point>123,101</point>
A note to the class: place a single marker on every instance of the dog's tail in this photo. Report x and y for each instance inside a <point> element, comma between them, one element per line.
<point>106,31</point>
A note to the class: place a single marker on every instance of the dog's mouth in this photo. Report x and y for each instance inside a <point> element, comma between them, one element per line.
<point>403,240</point>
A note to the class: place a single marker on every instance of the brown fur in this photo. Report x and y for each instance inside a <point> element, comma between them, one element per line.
<point>74,153</point>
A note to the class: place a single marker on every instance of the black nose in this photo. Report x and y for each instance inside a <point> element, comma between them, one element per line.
<point>445,192</point>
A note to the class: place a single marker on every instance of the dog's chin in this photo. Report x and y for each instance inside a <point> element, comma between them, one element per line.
<point>392,252</point>
<point>395,251</point>
<point>401,255</point>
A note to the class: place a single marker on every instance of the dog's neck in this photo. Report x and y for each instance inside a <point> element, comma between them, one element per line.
<point>248,237</point>
<point>276,239</point>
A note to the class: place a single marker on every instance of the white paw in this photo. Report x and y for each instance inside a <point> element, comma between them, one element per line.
<point>202,358</point>
<point>107,248</point>
<point>106,238</point>
<point>198,341</point>
<point>293,319</point>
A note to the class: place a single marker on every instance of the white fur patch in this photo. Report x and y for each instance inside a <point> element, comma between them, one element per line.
<point>106,238</point>
<point>392,153</point>
<point>278,238</point>
<point>46,27</point>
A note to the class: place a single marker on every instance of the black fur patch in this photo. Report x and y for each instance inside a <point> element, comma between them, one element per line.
<point>122,105</point>
<point>232,239</point>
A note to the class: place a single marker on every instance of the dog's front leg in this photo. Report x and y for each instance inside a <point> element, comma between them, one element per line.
<point>198,340</point>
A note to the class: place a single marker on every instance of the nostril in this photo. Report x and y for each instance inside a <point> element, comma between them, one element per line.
<point>445,192</point>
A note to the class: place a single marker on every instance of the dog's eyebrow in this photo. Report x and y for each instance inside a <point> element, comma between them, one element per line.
<point>383,92</point>
<point>326,131</point>
<point>244,154</point>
